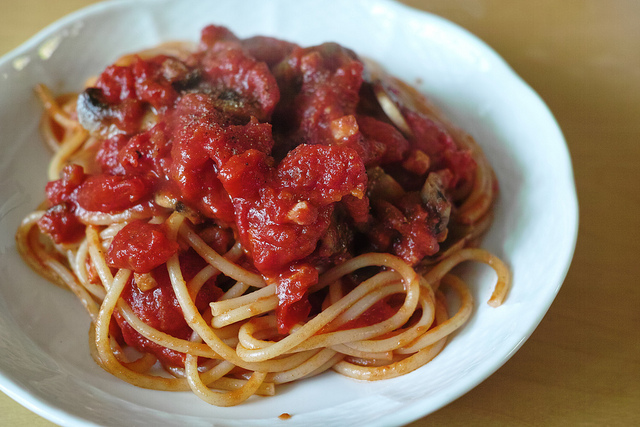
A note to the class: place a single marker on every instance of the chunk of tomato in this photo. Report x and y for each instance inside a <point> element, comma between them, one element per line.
<point>112,193</point>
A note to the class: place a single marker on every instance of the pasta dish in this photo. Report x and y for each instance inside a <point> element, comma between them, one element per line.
<point>240,213</point>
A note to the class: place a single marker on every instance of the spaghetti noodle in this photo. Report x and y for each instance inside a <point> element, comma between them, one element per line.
<point>247,213</point>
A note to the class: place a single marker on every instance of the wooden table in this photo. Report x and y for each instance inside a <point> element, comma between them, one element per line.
<point>582,364</point>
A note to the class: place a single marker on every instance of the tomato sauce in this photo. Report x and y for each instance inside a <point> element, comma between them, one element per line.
<point>140,247</point>
<point>160,309</point>
<point>284,146</point>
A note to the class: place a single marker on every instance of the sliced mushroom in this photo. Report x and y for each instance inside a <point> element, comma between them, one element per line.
<point>92,110</point>
<point>382,186</point>
<point>380,82</point>
<point>434,199</point>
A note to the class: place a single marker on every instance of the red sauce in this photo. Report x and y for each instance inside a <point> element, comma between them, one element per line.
<point>275,142</point>
<point>61,223</point>
<point>159,308</point>
<point>140,247</point>
<point>112,193</point>
<point>378,312</point>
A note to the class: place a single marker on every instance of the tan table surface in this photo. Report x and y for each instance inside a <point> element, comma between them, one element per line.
<point>582,364</point>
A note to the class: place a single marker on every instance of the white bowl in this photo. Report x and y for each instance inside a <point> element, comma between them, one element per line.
<point>44,358</point>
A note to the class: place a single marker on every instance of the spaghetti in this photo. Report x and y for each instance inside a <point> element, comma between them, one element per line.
<point>245,213</point>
